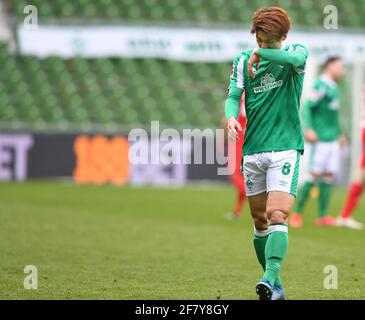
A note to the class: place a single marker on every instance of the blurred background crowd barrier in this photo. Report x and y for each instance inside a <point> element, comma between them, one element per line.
<point>78,75</point>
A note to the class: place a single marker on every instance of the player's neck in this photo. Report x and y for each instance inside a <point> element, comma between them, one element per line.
<point>327,76</point>
<point>280,45</point>
<point>277,46</point>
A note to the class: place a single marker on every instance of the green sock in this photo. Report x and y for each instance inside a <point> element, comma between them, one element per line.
<point>303,196</point>
<point>278,282</point>
<point>259,242</point>
<point>275,251</point>
<point>324,197</point>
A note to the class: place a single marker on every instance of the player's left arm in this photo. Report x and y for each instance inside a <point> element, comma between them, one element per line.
<point>316,95</point>
<point>310,134</point>
<point>342,138</point>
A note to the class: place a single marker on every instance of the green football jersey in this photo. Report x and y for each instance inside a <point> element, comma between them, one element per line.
<point>271,98</point>
<point>321,110</point>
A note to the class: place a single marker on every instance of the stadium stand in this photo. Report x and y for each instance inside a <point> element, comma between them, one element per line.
<point>133,91</point>
<point>304,12</point>
<point>127,91</point>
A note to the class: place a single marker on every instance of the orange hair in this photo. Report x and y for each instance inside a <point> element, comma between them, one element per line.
<point>274,21</point>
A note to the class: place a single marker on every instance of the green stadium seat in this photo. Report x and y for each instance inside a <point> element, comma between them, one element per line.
<point>132,92</point>
<point>183,11</point>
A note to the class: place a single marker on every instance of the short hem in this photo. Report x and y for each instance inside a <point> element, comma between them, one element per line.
<point>285,191</point>
<point>334,172</point>
<point>255,193</point>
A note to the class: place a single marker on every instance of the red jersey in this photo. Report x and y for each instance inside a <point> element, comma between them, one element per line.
<point>363,108</point>
<point>236,158</point>
<point>362,125</point>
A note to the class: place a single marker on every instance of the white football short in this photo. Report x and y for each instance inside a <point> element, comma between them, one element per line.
<point>325,157</point>
<point>271,171</point>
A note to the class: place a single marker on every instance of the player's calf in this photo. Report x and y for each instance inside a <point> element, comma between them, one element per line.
<point>277,211</point>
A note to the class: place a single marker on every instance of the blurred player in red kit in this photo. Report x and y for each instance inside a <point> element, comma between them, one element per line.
<point>235,161</point>
<point>357,186</point>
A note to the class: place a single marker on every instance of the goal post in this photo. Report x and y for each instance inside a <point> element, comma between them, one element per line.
<point>357,109</point>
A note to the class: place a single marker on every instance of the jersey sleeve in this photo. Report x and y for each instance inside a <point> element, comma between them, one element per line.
<point>236,79</point>
<point>308,116</point>
<point>316,94</point>
<point>296,56</point>
<point>236,87</point>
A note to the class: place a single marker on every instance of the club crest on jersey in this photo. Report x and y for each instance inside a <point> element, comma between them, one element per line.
<point>267,83</point>
<point>249,184</point>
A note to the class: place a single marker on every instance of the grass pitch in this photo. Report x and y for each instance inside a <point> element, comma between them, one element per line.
<point>104,242</point>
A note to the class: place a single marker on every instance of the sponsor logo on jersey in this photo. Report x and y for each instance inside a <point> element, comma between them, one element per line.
<point>317,94</point>
<point>334,104</point>
<point>267,83</point>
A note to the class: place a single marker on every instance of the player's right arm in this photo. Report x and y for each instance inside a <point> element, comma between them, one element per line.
<point>232,106</point>
<point>316,95</point>
<point>296,57</point>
